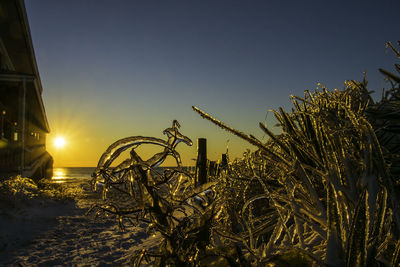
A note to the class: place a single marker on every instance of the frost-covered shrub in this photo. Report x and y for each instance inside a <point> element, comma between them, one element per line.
<point>17,187</point>
<point>58,191</point>
<point>17,190</point>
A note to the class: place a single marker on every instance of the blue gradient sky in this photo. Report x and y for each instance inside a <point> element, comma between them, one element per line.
<point>112,69</point>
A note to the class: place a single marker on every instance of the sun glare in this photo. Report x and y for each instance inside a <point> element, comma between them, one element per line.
<point>59,142</point>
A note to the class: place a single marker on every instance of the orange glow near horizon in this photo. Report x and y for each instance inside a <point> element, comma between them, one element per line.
<point>74,142</point>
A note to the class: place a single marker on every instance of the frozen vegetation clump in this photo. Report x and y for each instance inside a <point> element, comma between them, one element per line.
<point>165,200</point>
<point>329,180</point>
<point>17,188</point>
<point>325,191</point>
<point>57,191</point>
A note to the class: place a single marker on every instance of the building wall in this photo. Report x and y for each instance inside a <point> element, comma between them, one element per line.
<point>23,125</point>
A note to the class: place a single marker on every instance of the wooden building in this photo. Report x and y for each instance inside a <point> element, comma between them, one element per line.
<point>23,125</point>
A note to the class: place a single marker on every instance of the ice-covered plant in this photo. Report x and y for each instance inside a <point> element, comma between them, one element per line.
<point>165,199</point>
<point>385,118</point>
<point>17,187</point>
<point>326,181</point>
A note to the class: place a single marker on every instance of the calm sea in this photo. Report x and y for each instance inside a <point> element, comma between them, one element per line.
<point>72,174</point>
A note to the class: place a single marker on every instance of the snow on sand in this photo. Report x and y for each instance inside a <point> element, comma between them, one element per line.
<point>42,231</point>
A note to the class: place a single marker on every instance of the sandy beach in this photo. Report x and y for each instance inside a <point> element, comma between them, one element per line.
<point>48,232</point>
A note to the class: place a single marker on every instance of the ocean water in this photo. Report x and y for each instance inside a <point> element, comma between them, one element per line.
<point>72,174</point>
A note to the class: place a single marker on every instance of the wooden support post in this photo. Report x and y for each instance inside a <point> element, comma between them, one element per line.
<point>201,164</point>
<point>21,122</point>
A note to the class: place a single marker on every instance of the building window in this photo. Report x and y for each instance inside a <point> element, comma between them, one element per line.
<point>36,136</point>
<point>15,136</point>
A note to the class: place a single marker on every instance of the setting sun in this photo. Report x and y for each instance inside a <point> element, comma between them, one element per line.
<point>59,142</point>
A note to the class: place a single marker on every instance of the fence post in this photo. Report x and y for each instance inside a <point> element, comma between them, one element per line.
<point>201,164</point>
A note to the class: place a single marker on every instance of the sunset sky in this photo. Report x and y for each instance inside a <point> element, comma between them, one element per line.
<point>112,69</point>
